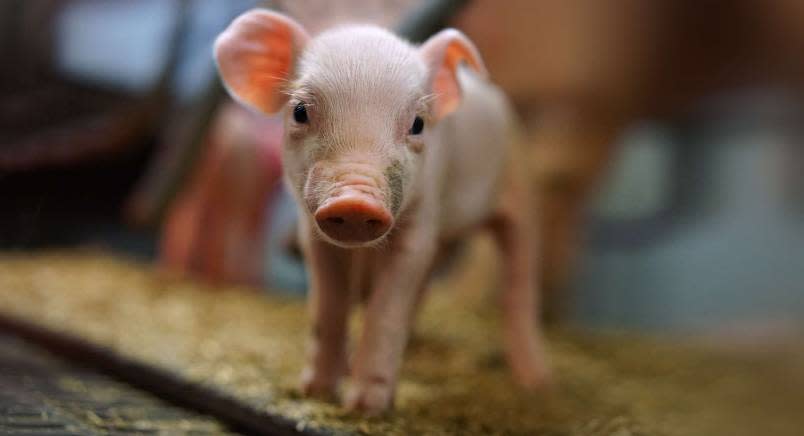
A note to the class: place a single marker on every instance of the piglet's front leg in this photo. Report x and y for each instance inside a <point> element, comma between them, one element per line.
<point>387,322</point>
<point>329,306</point>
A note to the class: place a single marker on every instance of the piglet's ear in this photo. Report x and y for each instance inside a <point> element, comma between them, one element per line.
<point>443,53</point>
<point>256,55</point>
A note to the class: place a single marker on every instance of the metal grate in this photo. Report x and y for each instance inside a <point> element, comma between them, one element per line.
<point>42,395</point>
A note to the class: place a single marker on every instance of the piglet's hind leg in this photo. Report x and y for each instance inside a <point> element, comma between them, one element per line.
<point>513,229</point>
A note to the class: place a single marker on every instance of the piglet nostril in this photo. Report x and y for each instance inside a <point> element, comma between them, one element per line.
<point>354,218</point>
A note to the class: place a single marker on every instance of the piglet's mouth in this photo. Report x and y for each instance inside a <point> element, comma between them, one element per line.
<point>353,219</point>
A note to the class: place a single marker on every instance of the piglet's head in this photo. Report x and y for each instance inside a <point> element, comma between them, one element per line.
<point>359,106</point>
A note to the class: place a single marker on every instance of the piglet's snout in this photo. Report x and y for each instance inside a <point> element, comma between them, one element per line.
<point>353,218</point>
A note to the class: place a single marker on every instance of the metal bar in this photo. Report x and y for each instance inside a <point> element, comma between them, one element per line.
<point>428,19</point>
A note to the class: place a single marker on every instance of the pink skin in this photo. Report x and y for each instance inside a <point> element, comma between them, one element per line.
<point>349,208</point>
<point>379,198</point>
<point>215,228</point>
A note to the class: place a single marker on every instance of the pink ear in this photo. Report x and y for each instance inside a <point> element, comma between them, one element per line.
<point>443,52</point>
<point>256,55</point>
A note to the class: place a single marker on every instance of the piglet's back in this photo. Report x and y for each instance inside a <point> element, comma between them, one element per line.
<point>477,140</point>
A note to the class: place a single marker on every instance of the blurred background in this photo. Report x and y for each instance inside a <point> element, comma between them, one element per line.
<point>665,141</point>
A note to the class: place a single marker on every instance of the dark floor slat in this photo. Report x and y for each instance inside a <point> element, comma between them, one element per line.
<point>41,394</point>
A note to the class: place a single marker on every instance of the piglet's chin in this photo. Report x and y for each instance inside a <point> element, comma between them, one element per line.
<point>353,220</point>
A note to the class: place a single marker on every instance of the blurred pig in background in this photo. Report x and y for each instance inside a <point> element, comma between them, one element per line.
<point>215,227</point>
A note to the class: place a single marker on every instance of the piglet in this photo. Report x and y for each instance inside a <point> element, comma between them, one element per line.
<point>392,151</point>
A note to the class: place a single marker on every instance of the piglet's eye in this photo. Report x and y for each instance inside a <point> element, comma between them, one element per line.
<point>300,113</point>
<point>417,127</point>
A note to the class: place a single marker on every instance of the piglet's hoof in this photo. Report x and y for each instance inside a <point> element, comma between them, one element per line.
<point>317,386</point>
<point>371,397</point>
<point>531,375</point>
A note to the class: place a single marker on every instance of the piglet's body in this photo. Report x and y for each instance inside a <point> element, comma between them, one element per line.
<point>393,152</point>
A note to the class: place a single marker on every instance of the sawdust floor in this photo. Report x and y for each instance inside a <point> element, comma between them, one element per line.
<point>454,379</point>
